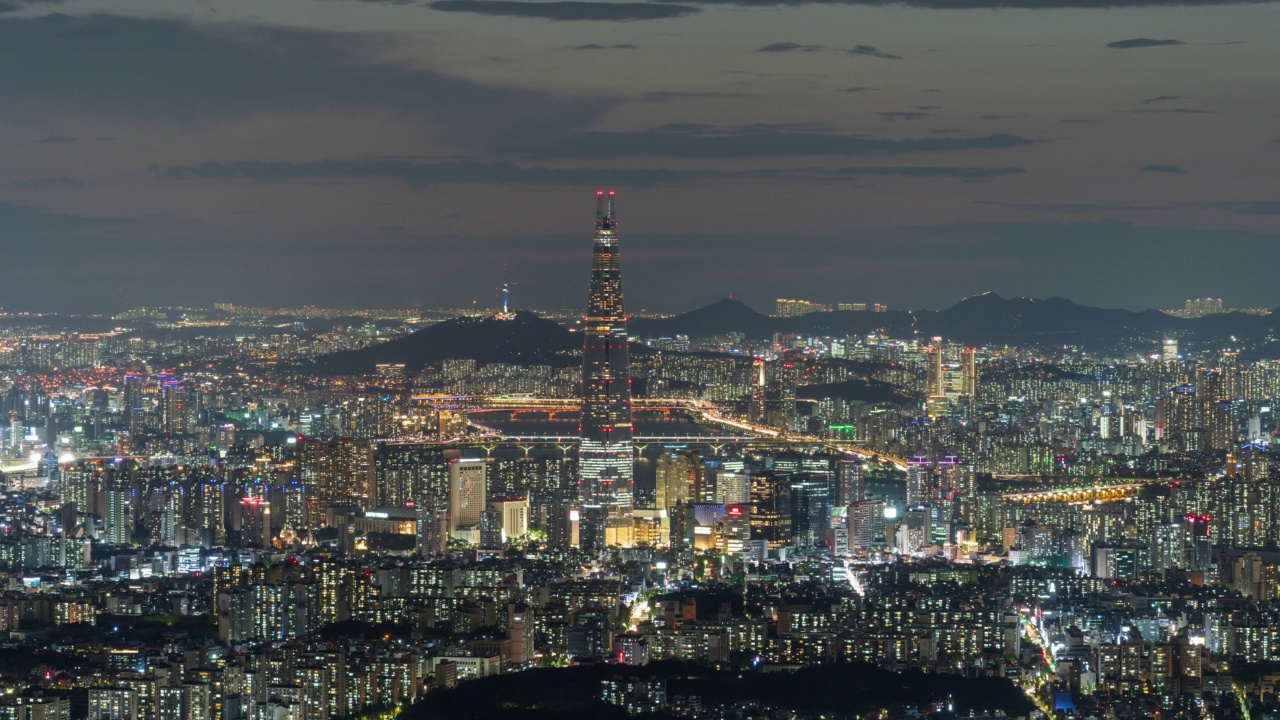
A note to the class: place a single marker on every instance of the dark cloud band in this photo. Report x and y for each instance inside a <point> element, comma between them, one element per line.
<point>1141,43</point>
<point>163,70</point>
<point>706,141</point>
<point>567,10</point>
<point>422,174</point>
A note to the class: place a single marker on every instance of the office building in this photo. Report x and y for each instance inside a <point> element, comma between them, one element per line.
<point>467,484</point>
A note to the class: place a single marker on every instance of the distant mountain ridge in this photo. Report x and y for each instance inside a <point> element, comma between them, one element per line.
<point>733,316</point>
<point>981,319</point>
<point>525,339</point>
<point>986,319</point>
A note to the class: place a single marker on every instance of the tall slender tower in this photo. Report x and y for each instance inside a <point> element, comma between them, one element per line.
<point>606,455</point>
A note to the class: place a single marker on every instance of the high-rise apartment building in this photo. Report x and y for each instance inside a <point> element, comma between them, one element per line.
<point>850,485</point>
<point>1199,307</point>
<point>791,308</point>
<point>606,455</point>
<point>969,375</point>
<point>117,516</point>
<point>732,488</point>
<point>173,408</point>
<point>210,512</point>
<point>133,408</point>
<point>336,472</point>
<point>675,480</point>
<point>919,480</point>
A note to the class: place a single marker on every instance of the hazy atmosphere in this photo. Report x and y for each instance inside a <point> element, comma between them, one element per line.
<point>348,153</point>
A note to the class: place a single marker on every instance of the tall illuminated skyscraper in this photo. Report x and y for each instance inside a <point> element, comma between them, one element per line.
<point>466,494</point>
<point>675,480</point>
<point>606,455</point>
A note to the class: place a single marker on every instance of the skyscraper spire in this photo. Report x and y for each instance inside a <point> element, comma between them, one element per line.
<point>604,210</point>
<point>606,455</point>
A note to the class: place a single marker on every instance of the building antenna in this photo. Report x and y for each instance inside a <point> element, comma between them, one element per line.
<point>506,289</point>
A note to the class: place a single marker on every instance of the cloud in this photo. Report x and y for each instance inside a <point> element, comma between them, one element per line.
<point>8,6</point>
<point>1077,121</point>
<point>962,173</point>
<point>1172,111</point>
<point>873,52</point>
<point>1159,99</point>
<point>985,4</point>
<point>166,70</point>
<point>567,10</point>
<point>33,183</point>
<point>779,47</point>
<point>1238,207</point>
<point>1076,208</point>
<point>419,174</point>
<point>660,95</point>
<point>759,140</point>
<point>29,222</point>
<point>1247,207</point>
<point>857,89</point>
<point>1172,169</point>
<point>57,139</point>
<point>899,115</point>
<point>615,46</point>
<point>1141,43</point>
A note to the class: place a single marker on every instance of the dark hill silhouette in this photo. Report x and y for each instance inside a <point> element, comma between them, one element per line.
<point>991,318</point>
<point>525,339</point>
<point>718,318</point>
<point>858,389</point>
<point>842,690</point>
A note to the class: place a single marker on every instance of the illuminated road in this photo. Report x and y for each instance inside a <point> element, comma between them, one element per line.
<point>1033,632</point>
<point>708,413</point>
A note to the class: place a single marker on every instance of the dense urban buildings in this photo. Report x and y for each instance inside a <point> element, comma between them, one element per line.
<point>261,518</point>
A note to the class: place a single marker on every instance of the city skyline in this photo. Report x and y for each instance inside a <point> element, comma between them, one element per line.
<point>501,304</point>
<point>946,382</point>
<point>1019,503</point>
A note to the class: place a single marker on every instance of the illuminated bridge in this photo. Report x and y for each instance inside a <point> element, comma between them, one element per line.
<point>1121,490</point>
<point>525,407</point>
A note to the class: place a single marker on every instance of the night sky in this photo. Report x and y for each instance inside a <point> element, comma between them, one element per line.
<point>356,153</point>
